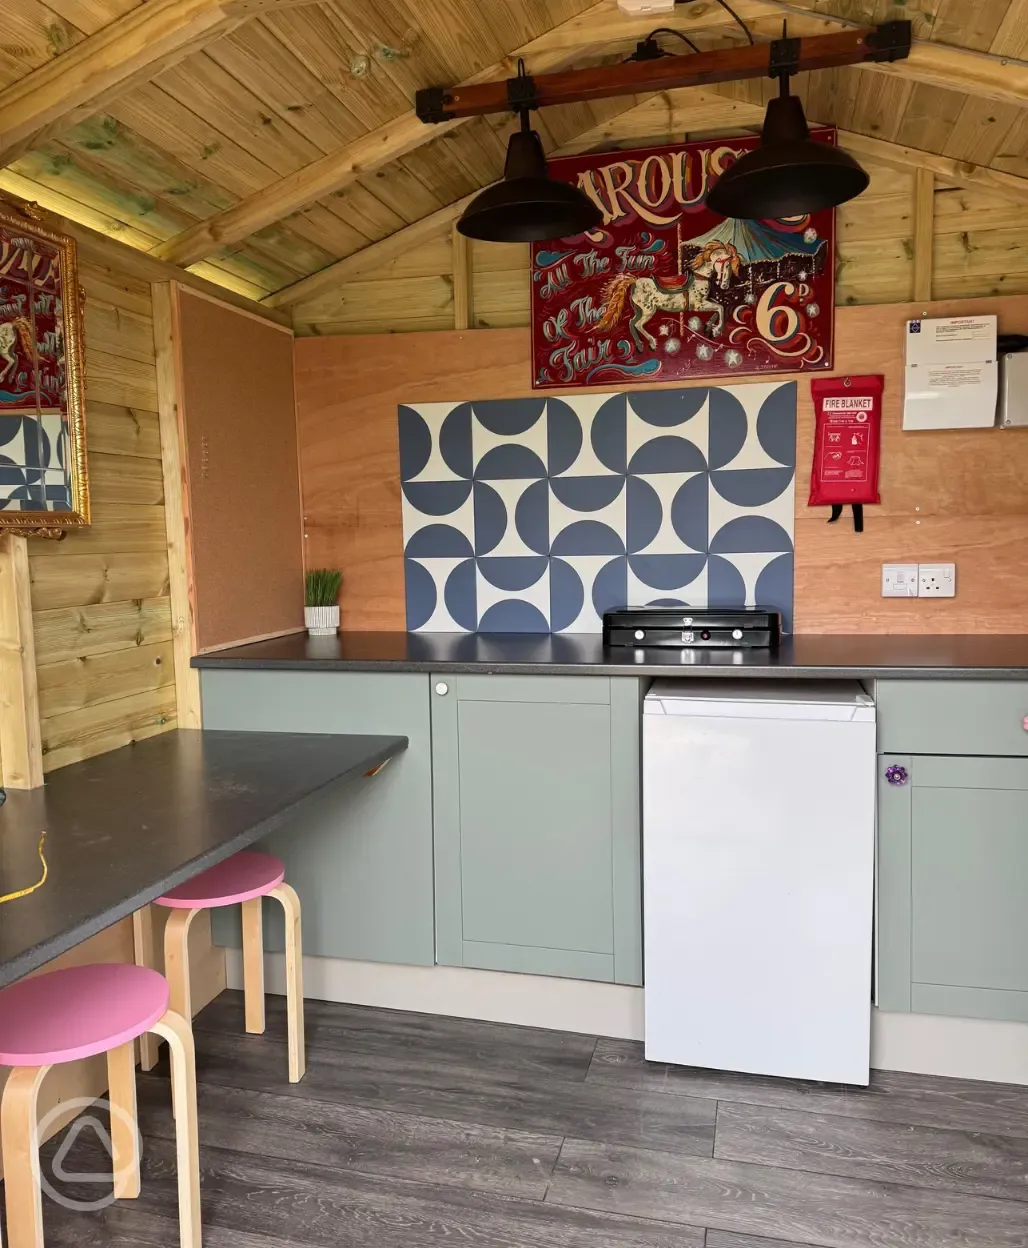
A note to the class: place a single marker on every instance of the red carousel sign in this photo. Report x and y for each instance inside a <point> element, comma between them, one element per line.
<point>666,290</point>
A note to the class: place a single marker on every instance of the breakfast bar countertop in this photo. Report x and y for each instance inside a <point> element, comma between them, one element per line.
<point>124,828</point>
<point>819,656</point>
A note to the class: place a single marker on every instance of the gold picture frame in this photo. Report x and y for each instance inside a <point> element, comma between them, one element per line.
<point>44,481</point>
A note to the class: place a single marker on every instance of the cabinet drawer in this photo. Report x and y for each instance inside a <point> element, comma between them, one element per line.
<point>983,717</point>
<point>591,690</point>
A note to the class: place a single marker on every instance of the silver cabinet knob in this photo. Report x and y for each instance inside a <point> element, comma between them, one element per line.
<point>639,634</point>
<point>442,688</point>
<point>737,634</point>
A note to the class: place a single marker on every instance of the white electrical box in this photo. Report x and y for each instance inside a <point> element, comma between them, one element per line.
<point>951,373</point>
<point>1013,390</point>
<point>899,580</point>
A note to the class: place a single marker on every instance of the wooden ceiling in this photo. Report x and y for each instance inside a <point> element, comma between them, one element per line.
<point>263,141</point>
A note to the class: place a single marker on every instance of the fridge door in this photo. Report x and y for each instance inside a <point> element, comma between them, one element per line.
<point>758,886</point>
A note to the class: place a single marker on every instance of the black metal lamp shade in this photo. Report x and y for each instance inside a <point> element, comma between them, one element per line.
<point>528,206</point>
<point>788,174</point>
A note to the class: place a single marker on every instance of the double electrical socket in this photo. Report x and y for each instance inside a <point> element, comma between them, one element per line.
<point>919,580</point>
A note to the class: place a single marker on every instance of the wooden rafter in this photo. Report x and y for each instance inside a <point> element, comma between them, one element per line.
<point>124,53</point>
<point>686,109</point>
<point>668,73</point>
<point>601,28</point>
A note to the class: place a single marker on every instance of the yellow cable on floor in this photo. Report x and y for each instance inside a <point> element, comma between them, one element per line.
<point>42,879</point>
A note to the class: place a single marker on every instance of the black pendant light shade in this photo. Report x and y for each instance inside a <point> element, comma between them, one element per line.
<point>789,173</point>
<point>528,206</point>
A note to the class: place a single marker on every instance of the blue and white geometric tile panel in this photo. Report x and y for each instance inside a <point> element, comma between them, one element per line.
<point>537,515</point>
<point>34,473</point>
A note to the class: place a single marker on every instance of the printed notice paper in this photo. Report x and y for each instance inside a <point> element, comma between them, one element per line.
<point>951,373</point>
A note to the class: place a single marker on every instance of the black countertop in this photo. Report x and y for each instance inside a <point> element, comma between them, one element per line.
<point>127,826</point>
<point>809,655</point>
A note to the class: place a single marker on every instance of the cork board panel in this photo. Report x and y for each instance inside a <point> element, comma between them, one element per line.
<point>955,495</point>
<point>242,481</point>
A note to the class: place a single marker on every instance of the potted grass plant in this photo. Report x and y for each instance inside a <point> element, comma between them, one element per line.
<point>321,601</point>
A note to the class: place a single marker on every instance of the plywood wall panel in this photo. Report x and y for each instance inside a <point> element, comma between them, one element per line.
<point>236,386</point>
<point>958,495</point>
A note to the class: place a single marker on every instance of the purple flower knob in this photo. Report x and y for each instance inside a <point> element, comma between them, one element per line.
<point>896,774</point>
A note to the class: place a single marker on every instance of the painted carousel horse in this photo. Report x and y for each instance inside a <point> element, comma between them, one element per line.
<point>10,332</point>
<point>717,263</point>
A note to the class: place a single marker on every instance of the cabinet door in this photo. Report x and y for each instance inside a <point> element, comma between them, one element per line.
<point>361,856</point>
<point>536,805</point>
<point>953,879</point>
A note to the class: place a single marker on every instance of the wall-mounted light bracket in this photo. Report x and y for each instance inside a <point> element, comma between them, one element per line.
<point>522,93</point>
<point>890,41</point>
<point>784,58</point>
<point>430,105</point>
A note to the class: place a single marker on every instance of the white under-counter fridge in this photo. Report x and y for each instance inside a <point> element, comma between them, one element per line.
<point>758,875</point>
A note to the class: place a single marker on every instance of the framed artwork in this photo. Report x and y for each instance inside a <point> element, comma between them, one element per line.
<point>666,290</point>
<point>44,488</point>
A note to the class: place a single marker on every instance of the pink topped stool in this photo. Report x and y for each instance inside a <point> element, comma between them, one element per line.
<point>244,878</point>
<point>77,1013</point>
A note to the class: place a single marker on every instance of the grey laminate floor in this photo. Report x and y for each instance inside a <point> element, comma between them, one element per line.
<point>417,1132</point>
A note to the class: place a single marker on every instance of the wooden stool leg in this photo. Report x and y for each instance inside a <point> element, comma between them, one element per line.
<point>294,980</point>
<point>176,960</point>
<point>176,969</point>
<point>174,1028</point>
<point>20,1130</point>
<point>253,965</point>
<point>142,944</point>
<point>121,1077</point>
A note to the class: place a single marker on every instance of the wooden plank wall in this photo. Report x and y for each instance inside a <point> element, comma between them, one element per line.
<point>100,598</point>
<point>100,605</point>
<point>978,244</point>
<point>958,496</point>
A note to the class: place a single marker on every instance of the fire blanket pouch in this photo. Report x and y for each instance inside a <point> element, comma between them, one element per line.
<point>847,437</point>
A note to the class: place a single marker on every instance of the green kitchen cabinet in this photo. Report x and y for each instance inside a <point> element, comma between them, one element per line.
<point>360,856</point>
<point>537,824</point>
<point>953,886</point>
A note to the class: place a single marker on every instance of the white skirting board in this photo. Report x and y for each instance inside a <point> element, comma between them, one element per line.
<point>967,1048</point>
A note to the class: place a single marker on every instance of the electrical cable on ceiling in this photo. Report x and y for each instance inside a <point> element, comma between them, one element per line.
<point>732,13</point>
<point>667,30</point>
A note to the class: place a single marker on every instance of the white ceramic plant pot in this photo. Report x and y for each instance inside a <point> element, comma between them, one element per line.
<point>321,621</point>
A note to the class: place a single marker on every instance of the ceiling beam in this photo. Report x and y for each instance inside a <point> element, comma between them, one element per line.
<point>683,110</point>
<point>129,50</point>
<point>602,28</point>
<point>739,61</point>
